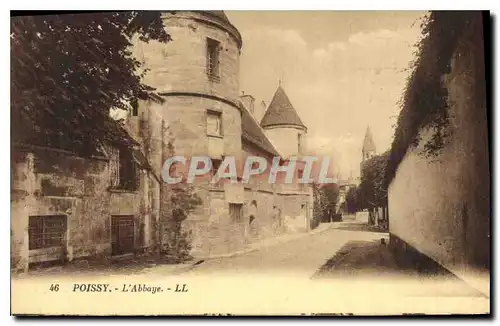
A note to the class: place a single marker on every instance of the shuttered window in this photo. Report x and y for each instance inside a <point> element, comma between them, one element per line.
<point>214,123</point>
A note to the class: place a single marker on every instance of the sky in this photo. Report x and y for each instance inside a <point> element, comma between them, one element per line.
<point>341,70</point>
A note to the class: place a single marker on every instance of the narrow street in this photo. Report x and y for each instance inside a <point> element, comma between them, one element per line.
<point>300,257</point>
<point>350,253</point>
<point>344,267</point>
<point>349,250</point>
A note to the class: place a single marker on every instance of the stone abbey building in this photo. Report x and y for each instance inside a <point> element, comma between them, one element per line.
<point>66,207</point>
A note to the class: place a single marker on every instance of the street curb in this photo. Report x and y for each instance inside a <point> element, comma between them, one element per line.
<point>257,247</point>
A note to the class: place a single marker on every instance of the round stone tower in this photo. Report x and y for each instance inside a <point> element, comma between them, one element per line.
<point>196,75</point>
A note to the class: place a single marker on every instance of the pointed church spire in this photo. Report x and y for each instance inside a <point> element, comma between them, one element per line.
<point>368,144</point>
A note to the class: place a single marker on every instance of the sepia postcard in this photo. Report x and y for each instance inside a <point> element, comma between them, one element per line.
<point>239,163</point>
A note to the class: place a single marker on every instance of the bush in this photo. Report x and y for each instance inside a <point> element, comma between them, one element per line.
<point>177,246</point>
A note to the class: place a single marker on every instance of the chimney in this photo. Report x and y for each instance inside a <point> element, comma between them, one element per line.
<point>260,111</point>
<point>248,100</point>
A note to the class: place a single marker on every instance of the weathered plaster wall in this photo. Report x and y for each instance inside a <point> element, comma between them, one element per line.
<point>49,182</point>
<point>442,208</point>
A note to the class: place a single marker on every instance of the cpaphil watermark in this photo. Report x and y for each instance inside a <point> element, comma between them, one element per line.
<point>306,170</point>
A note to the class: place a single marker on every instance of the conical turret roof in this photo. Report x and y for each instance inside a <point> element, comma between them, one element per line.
<point>368,143</point>
<point>281,112</point>
<point>221,17</point>
<point>219,14</point>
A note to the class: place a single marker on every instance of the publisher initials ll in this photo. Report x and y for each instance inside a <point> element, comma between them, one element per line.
<point>181,288</point>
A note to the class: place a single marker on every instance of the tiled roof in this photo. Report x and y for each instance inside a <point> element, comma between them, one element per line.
<point>368,144</point>
<point>281,111</point>
<point>253,133</point>
<point>70,139</point>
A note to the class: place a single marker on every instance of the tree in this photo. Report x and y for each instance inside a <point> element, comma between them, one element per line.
<point>372,191</point>
<point>68,71</point>
<point>352,204</point>
<point>317,213</point>
<point>329,196</point>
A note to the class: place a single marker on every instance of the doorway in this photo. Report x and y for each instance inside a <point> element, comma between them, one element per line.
<point>122,234</point>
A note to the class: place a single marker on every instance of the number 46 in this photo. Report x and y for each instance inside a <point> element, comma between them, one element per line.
<point>54,287</point>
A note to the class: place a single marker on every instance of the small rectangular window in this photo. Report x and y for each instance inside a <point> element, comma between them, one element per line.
<point>235,211</point>
<point>214,123</point>
<point>135,107</point>
<point>300,175</point>
<point>215,166</point>
<point>213,58</point>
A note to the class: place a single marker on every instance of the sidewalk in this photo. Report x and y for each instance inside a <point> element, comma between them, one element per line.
<point>135,265</point>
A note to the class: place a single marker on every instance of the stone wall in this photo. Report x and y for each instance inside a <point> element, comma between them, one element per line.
<point>181,64</point>
<point>293,201</point>
<point>178,126</point>
<point>286,140</point>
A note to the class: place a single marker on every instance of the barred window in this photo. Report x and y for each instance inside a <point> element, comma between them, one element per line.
<point>46,231</point>
<point>212,58</point>
<point>236,212</point>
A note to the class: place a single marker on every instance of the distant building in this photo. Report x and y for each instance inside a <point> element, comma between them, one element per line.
<point>344,186</point>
